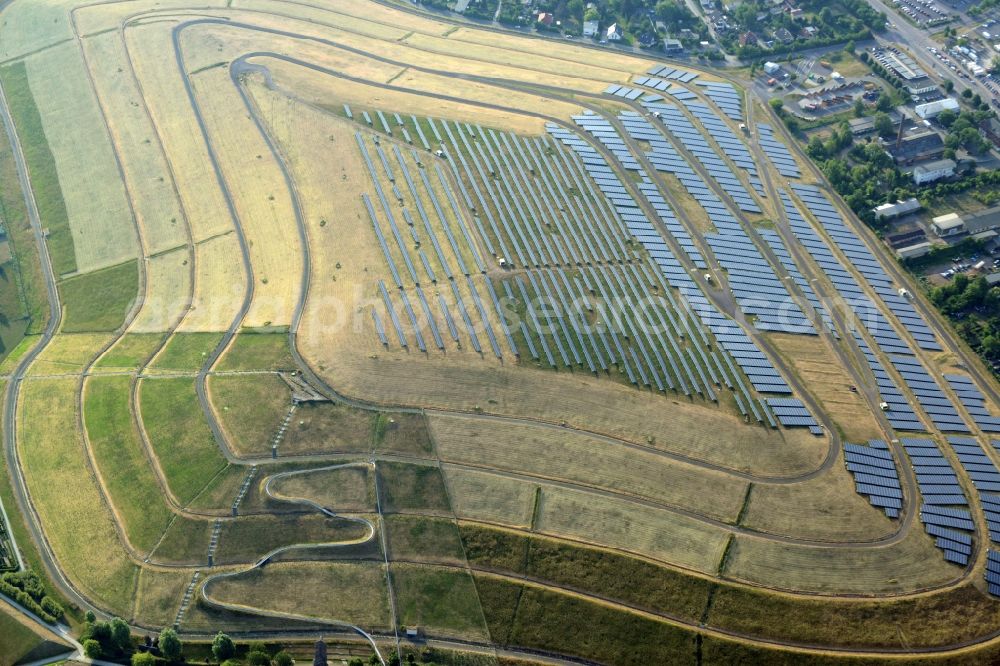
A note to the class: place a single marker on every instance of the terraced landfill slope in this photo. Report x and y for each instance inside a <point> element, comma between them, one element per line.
<point>360,321</point>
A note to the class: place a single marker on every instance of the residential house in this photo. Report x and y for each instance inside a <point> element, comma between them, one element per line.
<point>590,28</point>
<point>672,46</point>
<point>614,33</point>
<point>784,36</point>
<point>546,18</point>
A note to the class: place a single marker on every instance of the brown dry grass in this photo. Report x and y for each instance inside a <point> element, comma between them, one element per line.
<point>566,455</point>
<point>821,371</point>
<point>909,565</point>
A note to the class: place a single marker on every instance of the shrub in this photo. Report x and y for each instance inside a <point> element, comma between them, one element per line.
<point>92,648</point>
<point>223,647</point>
<point>143,659</point>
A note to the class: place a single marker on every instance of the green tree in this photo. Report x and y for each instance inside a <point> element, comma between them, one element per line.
<point>883,124</point>
<point>143,659</point>
<point>121,635</point>
<point>356,661</point>
<point>967,93</point>
<point>777,104</point>
<point>90,617</point>
<point>947,118</point>
<point>92,649</point>
<point>223,647</point>
<point>859,109</point>
<point>949,85</point>
<point>170,645</point>
<point>283,659</point>
<point>394,659</point>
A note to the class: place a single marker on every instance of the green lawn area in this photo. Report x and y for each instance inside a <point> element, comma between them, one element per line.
<point>252,350</point>
<point>99,301</point>
<point>131,351</point>
<point>250,407</point>
<point>187,351</point>
<point>41,167</point>
<point>247,538</point>
<point>424,538</point>
<point>180,436</point>
<point>20,643</point>
<point>412,488</point>
<point>440,601</point>
<point>127,474</point>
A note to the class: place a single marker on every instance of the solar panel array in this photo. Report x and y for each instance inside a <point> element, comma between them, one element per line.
<point>725,96</point>
<point>791,412</point>
<point>717,129</point>
<point>696,143</point>
<point>780,250</point>
<point>401,250</point>
<point>930,397</point>
<point>667,72</point>
<point>663,86</point>
<point>627,92</point>
<point>900,412</point>
<point>751,278</point>
<point>944,511</point>
<point>777,152</point>
<point>730,337</point>
<point>974,401</point>
<point>875,476</point>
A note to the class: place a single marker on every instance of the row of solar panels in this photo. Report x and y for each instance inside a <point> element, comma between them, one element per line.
<point>777,152</point>
<point>667,72</point>
<point>974,402</point>
<point>875,476</point>
<point>985,479</point>
<point>725,96</point>
<point>644,231</point>
<point>899,411</point>
<point>928,393</point>
<point>941,494</point>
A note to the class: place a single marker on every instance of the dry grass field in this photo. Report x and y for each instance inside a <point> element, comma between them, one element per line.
<point>535,529</point>
<point>815,363</point>
<point>99,216</point>
<point>909,565</point>
<point>568,456</point>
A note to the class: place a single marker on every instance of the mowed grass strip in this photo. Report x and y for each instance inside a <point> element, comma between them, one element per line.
<point>908,565</point>
<point>99,301</point>
<point>128,477</point>
<point>408,487</point>
<point>258,350</point>
<point>41,166</point>
<point>424,538</point>
<point>180,436</point>
<point>556,622</point>
<point>26,266</point>
<point>343,490</point>
<point>351,592</point>
<point>77,524</point>
<point>186,351</point>
<point>130,351</point>
<point>490,498</point>
<point>250,408</point>
<point>444,602</point>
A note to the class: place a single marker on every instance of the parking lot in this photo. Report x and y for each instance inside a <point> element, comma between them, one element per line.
<point>923,12</point>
